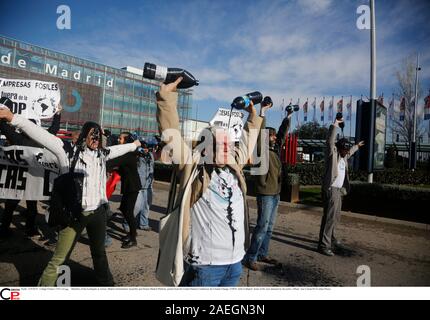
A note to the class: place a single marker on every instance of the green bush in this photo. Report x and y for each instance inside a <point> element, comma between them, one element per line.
<point>393,201</point>
<point>312,174</point>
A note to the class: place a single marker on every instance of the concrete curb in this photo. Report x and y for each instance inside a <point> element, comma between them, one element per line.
<point>319,210</point>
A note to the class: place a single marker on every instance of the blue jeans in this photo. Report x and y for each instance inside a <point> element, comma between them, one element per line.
<point>267,210</point>
<point>213,276</point>
<point>143,203</point>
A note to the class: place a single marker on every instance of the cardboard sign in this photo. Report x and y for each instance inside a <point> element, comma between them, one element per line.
<point>32,99</point>
<point>222,118</point>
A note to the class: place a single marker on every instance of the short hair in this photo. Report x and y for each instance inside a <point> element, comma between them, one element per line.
<point>128,136</point>
<point>343,144</point>
<point>272,131</point>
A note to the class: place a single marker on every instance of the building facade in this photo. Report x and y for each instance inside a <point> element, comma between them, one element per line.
<point>117,99</point>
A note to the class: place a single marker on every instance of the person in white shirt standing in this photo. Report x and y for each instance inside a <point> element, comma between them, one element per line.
<point>335,185</point>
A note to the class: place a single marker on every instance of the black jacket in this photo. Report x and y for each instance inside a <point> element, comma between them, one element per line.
<point>127,169</point>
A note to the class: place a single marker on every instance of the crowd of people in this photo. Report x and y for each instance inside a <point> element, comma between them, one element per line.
<point>212,239</point>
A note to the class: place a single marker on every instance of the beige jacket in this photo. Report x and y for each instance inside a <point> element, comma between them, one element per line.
<point>332,159</point>
<point>167,118</point>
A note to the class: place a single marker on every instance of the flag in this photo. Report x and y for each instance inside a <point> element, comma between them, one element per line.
<point>297,113</point>
<point>391,108</point>
<point>286,108</point>
<point>305,111</point>
<point>314,118</point>
<point>322,109</point>
<point>340,105</point>
<point>330,109</point>
<point>427,108</point>
<point>402,109</point>
<point>381,99</point>
<point>348,109</point>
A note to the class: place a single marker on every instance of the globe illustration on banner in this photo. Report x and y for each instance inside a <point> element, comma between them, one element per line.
<point>43,106</point>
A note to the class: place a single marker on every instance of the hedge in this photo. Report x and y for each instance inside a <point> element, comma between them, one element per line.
<point>393,201</point>
<point>311,174</point>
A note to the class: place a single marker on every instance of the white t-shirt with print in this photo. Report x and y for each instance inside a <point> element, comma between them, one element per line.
<point>338,182</point>
<point>217,222</point>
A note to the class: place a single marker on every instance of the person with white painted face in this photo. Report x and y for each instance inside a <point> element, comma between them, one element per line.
<point>89,161</point>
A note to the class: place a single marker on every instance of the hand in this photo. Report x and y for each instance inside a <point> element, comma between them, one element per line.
<point>360,144</point>
<point>337,121</point>
<point>171,87</point>
<point>265,108</point>
<point>251,109</point>
<point>137,143</point>
<point>59,108</point>
<point>6,114</point>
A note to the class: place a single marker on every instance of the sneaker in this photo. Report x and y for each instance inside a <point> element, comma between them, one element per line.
<point>145,228</point>
<point>129,244</point>
<point>326,252</point>
<point>268,260</point>
<point>252,265</point>
<point>51,242</point>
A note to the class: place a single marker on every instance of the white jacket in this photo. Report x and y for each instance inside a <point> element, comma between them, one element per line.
<point>91,163</point>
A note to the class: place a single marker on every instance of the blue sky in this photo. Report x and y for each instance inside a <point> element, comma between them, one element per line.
<point>285,49</point>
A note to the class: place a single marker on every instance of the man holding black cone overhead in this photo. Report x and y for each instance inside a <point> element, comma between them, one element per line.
<point>335,185</point>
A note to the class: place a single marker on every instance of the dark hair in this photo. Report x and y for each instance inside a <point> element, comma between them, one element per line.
<point>128,136</point>
<point>271,130</point>
<point>86,128</point>
<point>343,144</point>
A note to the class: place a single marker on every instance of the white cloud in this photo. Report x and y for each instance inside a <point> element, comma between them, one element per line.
<point>315,7</point>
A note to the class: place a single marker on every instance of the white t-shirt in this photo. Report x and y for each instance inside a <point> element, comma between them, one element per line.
<point>338,182</point>
<point>217,222</point>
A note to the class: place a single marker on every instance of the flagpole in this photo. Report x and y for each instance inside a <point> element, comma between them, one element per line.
<point>413,154</point>
<point>350,118</point>
<point>372,86</point>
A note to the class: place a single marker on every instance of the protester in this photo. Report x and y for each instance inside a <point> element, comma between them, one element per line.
<point>145,169</point>
<point>130,187</point>
<point>335,185</point>
<point>22,139</point>
<point>90,159</point>
<point>268,189</point>
<point>215,229</point>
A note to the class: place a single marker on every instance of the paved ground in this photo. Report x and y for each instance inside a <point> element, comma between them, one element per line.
<point>397,254</point>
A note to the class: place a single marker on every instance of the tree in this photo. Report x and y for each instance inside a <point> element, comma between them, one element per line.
<point>406,89</point>
<point>312,130</point>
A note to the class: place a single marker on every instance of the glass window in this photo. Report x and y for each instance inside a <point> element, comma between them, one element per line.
<point>22,59</point>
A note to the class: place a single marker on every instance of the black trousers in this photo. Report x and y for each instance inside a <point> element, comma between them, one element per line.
<point>127,208</point>
<point>10,207</point>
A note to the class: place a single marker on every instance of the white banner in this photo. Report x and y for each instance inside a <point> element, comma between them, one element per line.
<point>222,118</point>
<point>27,173</point>
<point>32,99</point>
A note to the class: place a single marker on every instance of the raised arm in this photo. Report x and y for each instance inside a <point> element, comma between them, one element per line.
<point>168,124</point>
<point>284,128</point>
<point>249,137</point>
<point>121,149</point>
<point>39,135</point>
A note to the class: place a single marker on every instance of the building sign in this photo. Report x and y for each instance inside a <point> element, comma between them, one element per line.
<point>26,61</point>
